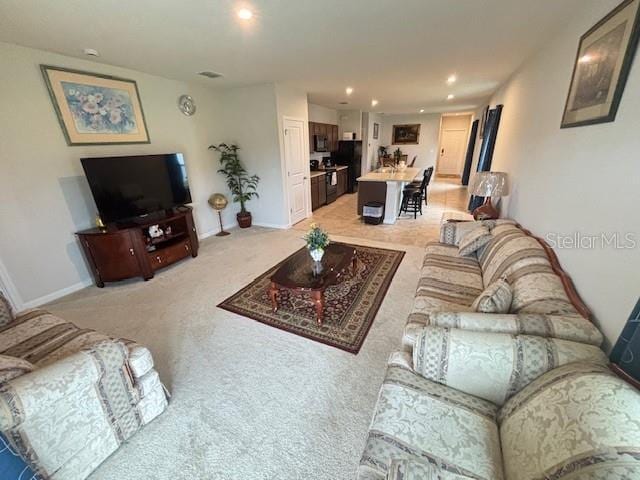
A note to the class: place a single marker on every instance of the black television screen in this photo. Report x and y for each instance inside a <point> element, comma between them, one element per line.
<point>127,187</point>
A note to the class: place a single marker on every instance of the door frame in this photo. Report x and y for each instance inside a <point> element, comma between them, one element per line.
<point>441,130</point>
<point>307,169</point>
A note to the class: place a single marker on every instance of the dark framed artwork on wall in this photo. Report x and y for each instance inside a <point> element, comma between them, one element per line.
<point>376,131</point>
<point>483,120</point>
<point>406,134</point>
<point>96,109</point>
<point>602,64</point>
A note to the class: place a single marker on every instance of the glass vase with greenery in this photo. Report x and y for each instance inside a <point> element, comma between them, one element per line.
<point>317,240</point>
<point>242,185</point>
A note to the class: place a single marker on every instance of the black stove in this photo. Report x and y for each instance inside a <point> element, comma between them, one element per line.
<point>332,189</point>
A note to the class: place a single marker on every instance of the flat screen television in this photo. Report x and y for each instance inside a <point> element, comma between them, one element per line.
<point>134,186</point>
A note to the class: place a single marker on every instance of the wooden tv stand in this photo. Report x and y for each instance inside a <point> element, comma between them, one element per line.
<point>123,251</point>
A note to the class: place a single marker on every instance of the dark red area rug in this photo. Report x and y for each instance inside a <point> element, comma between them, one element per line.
<point>350,306</point>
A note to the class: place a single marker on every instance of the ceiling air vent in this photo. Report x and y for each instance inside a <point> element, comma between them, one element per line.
<point>344,103</point>
<point>210,74</point>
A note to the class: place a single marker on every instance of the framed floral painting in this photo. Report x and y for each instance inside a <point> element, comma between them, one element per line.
<point>95,109</point>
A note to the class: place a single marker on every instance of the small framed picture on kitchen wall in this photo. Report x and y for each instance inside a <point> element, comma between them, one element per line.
<point>602,64</point>
<point>95,109</point>
<point>376,131</point>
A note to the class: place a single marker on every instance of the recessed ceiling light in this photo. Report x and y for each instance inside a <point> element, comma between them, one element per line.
<point>451,96</point>
<point>374,102</point>
<point>245,14</point>
<point>349,90</point>
<point>452,79</point>
<point>91,52</point>
<point>422,110</point>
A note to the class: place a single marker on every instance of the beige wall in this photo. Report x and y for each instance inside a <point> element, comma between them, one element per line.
<point>44,196</point>
<point>583,180</point>
<point>320,114</point>
<point>350,121</point>
<point>427,148</point>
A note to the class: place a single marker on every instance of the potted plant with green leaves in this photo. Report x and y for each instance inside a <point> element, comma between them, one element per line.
<point>242,185</point>
<point>317,240</point>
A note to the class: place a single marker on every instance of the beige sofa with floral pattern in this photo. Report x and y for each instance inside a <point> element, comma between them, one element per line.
<point>69,397</point>
<point>523,395</point>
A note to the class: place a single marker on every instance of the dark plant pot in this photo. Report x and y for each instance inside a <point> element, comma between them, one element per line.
<point>244,219</point>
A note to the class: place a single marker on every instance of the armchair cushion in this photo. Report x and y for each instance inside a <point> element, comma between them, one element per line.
<point>12,367</point>
<point>6,314</point>
<point>578,421</point>
<point>496,298</point>
<point>52,413</point>
<point>565,327</point>
<point>493,366</point>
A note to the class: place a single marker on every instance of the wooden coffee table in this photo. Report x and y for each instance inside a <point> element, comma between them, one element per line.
<point>299,274</point>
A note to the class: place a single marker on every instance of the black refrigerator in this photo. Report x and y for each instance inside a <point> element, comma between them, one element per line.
<point>350,154</point>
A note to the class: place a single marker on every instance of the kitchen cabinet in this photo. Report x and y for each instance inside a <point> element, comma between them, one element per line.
<point>326,129</point>
<point>315,193</point>
<point>342,181</point>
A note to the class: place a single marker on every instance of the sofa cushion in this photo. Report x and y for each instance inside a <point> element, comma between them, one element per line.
<point>422,420</point>
<point>566,327</point>
<point>6,314</point>
<point>12,367</point>
<point>493,366</point>
<point>577,421</point>
<point>523,261</point>
<point>473,240</point>
<point>447,280</point>
<point>496,298</point>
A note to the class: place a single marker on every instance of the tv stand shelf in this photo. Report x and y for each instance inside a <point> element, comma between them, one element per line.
<point>126,250</point>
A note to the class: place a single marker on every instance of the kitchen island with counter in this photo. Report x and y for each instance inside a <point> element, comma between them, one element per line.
<point>385,185</point>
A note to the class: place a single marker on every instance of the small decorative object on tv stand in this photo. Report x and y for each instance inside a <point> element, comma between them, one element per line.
<point>122,251</point>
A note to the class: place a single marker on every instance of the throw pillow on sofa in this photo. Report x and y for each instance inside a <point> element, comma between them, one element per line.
<point>473,240</point>
<point>6,316</point>
<point>496,298</point>
<point>12,367</point>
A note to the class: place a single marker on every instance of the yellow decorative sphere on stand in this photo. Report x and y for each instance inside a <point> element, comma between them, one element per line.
<point>219,202</point>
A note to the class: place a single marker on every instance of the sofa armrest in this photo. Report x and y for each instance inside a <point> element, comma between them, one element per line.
<point>493,366</point>
<point>574,328</point>
<point>36,392</point>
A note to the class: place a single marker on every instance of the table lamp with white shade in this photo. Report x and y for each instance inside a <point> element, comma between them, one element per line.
<point>487,185</point>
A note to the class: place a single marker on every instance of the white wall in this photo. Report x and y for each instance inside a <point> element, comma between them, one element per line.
<point>370,161</point>
<point>350,121</point>
<point>580,180</point>
<point>250,121</point>
<point>320,114</point>
<point>44,196</point>
<point>427,148</point>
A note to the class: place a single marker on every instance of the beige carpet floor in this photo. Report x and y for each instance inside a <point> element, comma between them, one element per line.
<point>250,402</point>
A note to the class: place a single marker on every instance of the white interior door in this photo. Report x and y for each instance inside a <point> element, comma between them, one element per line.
<point>296,164</point>
<point>452,146</point>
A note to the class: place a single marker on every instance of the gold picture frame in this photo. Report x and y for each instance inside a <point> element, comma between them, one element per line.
<point>406,134</point>
<point>96,109</point>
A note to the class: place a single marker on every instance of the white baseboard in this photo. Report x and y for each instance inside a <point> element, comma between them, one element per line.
<point>271,225</point>
<point>211,233</point>
<point>50,297</point>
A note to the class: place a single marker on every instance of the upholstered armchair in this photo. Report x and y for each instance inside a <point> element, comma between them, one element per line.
<point>70,397</point>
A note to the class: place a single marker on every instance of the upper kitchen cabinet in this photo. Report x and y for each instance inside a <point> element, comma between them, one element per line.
<point>327,130</point>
